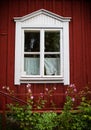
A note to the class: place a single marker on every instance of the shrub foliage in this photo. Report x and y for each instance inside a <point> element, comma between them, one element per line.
<point>74,116</point>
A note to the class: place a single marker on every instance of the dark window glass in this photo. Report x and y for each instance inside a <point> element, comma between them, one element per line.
<point>52,41</point>
<point>32,41</point>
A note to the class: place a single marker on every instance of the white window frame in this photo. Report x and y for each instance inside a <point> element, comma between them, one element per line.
<point>42,54</point>
<point>21,25</point>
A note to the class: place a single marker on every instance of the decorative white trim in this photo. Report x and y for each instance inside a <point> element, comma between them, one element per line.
<point>41,19</point>
<point>41,80</point>
<point>17,53</point>
<point>39,12</point>
<point>66,53</point>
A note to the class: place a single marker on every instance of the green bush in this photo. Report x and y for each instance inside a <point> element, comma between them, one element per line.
<point>46,121</point>
<point>24,118</point>
<point>79,119</point>
<point>68,119</point>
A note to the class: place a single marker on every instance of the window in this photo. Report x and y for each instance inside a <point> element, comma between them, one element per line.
<point>42,48</point>
<point>42,57</point>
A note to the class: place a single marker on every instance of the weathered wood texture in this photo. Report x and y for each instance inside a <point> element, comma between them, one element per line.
<point>80,41</point>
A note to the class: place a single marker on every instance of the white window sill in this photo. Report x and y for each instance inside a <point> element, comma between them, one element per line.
<point>41,80</point>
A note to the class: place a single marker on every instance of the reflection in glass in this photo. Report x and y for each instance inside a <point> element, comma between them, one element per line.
<point>52,41</point>
<point>32,41</point>
<point>52,65</point>
<point>32,64</point>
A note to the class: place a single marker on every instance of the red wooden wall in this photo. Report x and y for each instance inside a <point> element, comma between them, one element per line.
<point>80,40</point>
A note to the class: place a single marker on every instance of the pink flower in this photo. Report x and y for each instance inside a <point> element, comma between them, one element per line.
<point>8,88</point>
<point>73,99</point>
<point>46,89</point>
<point>65,92</point>
<point>28,85</point>
<point>32,97</point>
<point>72,86</point>
<point>29,90</point>
<point>3,87</point>
<point>54,88</point>
<point>75,90</point>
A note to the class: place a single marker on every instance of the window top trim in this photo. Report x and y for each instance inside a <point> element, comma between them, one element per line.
<point>42,11</point>
<point>39,27</point>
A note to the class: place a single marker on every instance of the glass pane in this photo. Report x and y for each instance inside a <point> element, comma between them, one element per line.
<point>52,65</point>
<point>32,41</point>
<point>32,64</point>
<point>52,41</point>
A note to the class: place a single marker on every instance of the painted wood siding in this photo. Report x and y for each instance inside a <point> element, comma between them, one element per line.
<point>80,41</point>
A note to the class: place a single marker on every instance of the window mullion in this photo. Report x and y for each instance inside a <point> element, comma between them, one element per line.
<point>42,52</point>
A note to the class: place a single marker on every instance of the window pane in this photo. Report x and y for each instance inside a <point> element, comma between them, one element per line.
<point>32,41</point>
<point>32,64</point>
<point>52,41</point>
<point>52,65</point>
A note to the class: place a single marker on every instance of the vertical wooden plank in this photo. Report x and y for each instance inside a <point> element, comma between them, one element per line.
<point>31,6</point>
<point>3,16</point>
<point>13,11</point>
<point>58,5</point>
<point>77,42</point>
<point>83,35</point>
<point>39,4</point>
<point>88,40</point>
<point>3,59</point>
<point>3,52</point>
<point>67,8</point>
<point>48,5</point>
<point>23,7</point>
<point>3,42</point>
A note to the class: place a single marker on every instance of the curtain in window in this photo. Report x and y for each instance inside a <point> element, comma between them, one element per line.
<point>51,66</point>
<point>32,66</point>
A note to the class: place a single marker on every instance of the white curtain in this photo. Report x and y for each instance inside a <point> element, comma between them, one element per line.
<point>51,66</point>
<point>32,66</point>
